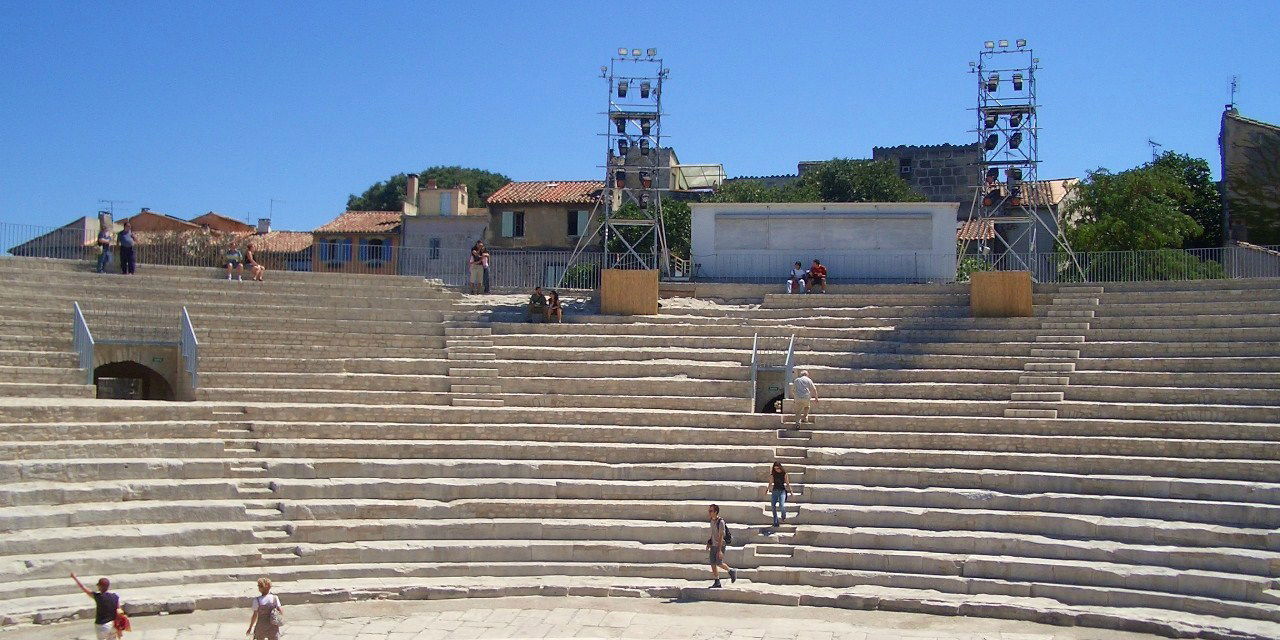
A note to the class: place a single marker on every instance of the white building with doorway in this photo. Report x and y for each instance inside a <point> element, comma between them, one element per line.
<point>858,242</point>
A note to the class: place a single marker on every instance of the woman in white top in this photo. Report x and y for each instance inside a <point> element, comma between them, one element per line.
<point>268,615</point>
<point>796,283</point>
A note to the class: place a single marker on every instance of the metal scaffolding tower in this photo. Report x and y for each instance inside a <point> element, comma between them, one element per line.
<point>637,168</point>
<point>1010,200</point>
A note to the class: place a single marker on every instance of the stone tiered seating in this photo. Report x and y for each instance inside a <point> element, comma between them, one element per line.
<point>1147,501</point>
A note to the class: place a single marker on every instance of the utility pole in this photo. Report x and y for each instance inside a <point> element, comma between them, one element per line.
<point>272,208</point>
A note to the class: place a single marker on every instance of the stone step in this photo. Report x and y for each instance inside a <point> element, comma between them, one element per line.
<point>1055,353</point>
<point>1044,380</point>
<point>1064,325</point>
<point>472,372</point>
<point>1069,313</point>
<point>1030,413</point>
<point>1036,396</point>
<point>1059,339</point>
<point>477,402</point>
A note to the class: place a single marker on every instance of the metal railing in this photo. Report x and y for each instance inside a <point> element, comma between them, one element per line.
<point>82,341</point>
<point>755,364</point>
<point>189,347</point>
<point>791,361</point>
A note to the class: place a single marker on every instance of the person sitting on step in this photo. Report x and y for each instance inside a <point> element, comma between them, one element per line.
<point>554,310</point>
<point>538,306</point>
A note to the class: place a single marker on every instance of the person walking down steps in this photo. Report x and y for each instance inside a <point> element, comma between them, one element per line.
<point>268,614</point>
<point>806,393</point>
<point>719,539</point>
<point>779,489</point>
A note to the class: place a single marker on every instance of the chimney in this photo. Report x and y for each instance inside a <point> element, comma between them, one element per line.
<point>431,183</point>
<point>264,225</point>
<point>145,210</point>
<point>411,188</point>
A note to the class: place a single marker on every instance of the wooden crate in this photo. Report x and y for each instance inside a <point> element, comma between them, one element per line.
<point>629,292</point>
<point>1000,294</point>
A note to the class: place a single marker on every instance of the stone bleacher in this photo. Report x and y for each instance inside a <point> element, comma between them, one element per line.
<point>397,442</point>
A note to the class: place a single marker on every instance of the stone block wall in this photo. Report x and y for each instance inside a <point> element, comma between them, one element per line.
<point>942,172</point>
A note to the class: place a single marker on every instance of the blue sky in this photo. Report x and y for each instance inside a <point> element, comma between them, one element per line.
<point>187,107</point>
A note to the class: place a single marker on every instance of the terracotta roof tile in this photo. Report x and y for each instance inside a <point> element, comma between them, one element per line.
<point>279,241</point>
<point>976,230</point>
<point>547,192</point>
<point>363,222</point>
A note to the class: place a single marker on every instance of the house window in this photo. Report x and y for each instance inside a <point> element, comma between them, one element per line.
<point>513,224</point>
<point>433,249</point>
<point>904,167</point>
<point>374,251</point>
<point>335,251</point>
<point>577,223</point>
<point>445,203</point>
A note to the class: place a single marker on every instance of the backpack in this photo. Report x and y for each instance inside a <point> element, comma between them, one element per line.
<point>728,536</point>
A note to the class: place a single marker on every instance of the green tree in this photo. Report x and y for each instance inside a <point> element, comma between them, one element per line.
<point>849,180</point>
<point>836,180</point>
<point>1200,200</point>
<point>388,195</point>
<point>1133,210</point>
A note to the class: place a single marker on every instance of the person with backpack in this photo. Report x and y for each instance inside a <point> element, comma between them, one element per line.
<point>268,614</point>
<point>720,538</point>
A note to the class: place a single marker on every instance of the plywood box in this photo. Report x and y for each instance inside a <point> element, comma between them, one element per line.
<point>629,292</point>
<point>1000,294</point>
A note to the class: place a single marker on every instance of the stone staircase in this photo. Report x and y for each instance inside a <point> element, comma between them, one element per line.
<point>1045,382</point>
<point>1149,501</point>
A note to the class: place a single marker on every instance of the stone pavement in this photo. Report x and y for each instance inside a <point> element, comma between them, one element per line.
<point>539,617</point>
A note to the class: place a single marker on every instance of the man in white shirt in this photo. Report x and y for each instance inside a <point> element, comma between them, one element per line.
<point>806,393</point>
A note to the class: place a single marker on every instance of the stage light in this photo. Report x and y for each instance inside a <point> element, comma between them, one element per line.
<point>972,64</point>
<point>622,147</point>
<point>1015,120</point>
<point>653,52</point>
<point>993,82</point>
<point>992,141</point>
<point>1015,197</point>
<point>622,89</point>
<point>988,44</point>
<point>992,197</point>
<point>1015,140</point>
<point>604,69</point>
<point>1021,42</point>
<point>643,200</point>
<point>644,146</point>
<point>644,90</point>
<point>645,126</point>
<point>1014,174</point>
<point>622,51</point>
<point>620,178</point>
<point>645,180</point>
<point>993,174</point>
<point>636,52</point>
<point>621,125</point>
<point>1017,82</point>
<point>1004,43</point>
<point>989,120</point>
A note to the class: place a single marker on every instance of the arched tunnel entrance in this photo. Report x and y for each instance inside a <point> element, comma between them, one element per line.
<point>129,380</point>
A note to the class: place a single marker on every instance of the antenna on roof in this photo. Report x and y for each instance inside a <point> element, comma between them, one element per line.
<point>1155,149</point>
<point>271,210</point>
<point>1235,86</point>
<point>111,205</point>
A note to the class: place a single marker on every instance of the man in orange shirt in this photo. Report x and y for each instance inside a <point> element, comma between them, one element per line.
<point>817,276</point>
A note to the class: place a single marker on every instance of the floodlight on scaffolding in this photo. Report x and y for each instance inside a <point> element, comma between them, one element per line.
<point>993,82</point>
<point>644,199</point>
<point>989,120</point>
<point>1014,174</point>
<point>1015,140</point>
<point>1015,196</point>
<point>1021,42</point>
<point>644,89</point>
<point>1004,43</point>
<point>644,146</point>
<point>622,51</point>
<point>993,174</point>
<point>622,147</point>
<point>1017,82</point>
<point>989,44</point>
<point>621,125</point>
<point>651,52</point>
<point>636,52</point>
<point>620,178</point>
<point>992,141</point>
<point>622,89</point>
<point>645,180</point>
<point>972,64</point>
<point>1015,120</point>
<point>992,197</point>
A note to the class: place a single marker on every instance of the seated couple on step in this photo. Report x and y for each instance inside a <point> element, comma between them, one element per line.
<point>801,280</point>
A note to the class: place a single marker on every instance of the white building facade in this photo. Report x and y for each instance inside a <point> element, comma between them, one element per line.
<point>858,242</point>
